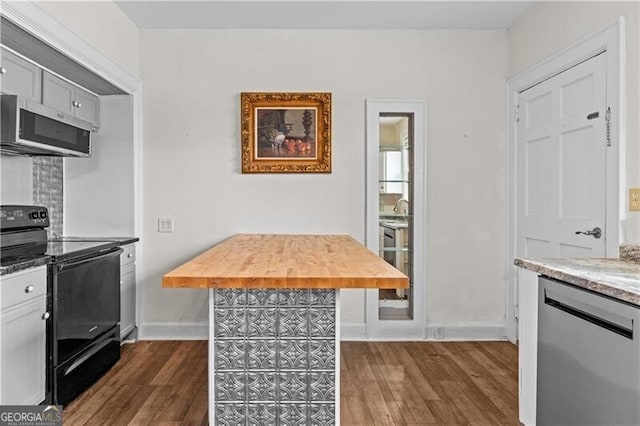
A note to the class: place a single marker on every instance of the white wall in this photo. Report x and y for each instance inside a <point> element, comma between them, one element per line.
<point>548,26</point>
<point>98,191</point>
<point>192,84</point>
<point>17,180</point>
<point>101,24</point>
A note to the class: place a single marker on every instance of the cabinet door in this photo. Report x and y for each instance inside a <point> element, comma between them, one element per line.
<point>57,93</point>
<point>87,107</point>
<point>22,354</point>
<point>20,77</point>
<point>127,300</point>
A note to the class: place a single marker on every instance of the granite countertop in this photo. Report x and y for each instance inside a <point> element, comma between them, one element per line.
<point>617,278</point>
<point>35,261</point>
<point>25,264</point>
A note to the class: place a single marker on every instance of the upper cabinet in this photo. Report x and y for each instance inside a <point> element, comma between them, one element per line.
<point>20,77</point>
<point>70,99</point>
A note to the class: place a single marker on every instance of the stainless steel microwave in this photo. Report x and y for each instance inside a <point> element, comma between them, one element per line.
<point>30,128</point>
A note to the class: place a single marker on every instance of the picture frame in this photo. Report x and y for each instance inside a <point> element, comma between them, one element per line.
<point>286,132</point>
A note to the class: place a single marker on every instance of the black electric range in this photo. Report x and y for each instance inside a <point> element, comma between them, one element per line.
<point>83,297</point>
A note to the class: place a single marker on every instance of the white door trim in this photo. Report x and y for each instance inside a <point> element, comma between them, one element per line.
<point>34,20</point>
<point>611,40</point>
<point>414,329</point>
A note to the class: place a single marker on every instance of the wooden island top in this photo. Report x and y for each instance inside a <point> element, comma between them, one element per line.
<point>286,261</point>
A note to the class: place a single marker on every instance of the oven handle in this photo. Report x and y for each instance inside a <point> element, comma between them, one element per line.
<point>97,348</point>
<point>111,252</point>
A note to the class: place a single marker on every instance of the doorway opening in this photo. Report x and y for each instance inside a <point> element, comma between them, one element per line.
<point>395,213</point>
<point>396,210</point>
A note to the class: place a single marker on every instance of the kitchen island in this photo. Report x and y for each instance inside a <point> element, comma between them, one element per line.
<point>274,322</point>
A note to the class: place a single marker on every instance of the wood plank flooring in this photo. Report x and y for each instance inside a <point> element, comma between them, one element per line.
<point>390,383</point>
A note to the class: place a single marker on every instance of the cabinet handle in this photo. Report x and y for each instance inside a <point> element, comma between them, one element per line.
<point>3,70</point>
<point>29,289</point>
<point>121,282</point>
<point>46,315</point>
<point>76,104</point>
<point>129,254</point>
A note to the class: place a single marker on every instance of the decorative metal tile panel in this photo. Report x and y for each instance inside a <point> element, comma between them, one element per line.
<point>275,356</point>
<point>323,322</point>
<point>230,298</point>
<point>322,414</point>
<point>262,354</point>
<point>48,183</point>
<point>230,355</point>
<point>230,323</point>
<point>322,297</point>
<point>294,386</point>
<point>261,322</point>
<point>293,322</point>
<point>231,386</point>
<point>294,354</point>
<point>293,414</point>
<point>230,414</point>
<point>322,386</point>
<point>261,414</point>
<point>322,354</point>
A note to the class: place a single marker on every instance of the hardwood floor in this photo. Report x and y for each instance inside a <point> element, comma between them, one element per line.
<point>390,383</point>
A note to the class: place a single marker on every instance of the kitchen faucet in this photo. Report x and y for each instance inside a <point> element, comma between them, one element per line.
<point>402,207</point>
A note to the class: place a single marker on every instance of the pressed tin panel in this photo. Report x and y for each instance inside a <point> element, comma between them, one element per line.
<point>274,356</point>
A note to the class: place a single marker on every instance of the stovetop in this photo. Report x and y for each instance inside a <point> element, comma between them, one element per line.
<point>56,250</point>
<point>63,249</point>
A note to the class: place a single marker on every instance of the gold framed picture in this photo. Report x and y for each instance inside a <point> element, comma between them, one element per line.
<point>286,132</point>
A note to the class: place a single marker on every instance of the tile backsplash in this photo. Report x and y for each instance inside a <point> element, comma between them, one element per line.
<point>48,190</point>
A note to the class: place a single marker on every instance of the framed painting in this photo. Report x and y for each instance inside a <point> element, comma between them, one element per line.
<point>286,132</point>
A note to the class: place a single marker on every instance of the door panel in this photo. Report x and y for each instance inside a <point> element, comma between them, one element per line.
<point>561,163</point>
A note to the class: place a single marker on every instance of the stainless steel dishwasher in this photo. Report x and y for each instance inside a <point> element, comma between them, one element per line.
<point>588,358</point>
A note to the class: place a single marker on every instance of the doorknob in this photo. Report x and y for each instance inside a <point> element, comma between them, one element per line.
<point>595,232</point>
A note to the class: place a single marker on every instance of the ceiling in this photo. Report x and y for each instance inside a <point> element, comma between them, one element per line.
<point>323,14</point>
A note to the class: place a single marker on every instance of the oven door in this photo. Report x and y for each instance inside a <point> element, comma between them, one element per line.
<point>85,302</point>
<point>390,246</point>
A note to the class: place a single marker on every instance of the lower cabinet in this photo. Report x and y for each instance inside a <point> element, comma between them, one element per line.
<point>128,292</point>
<point>23,316</point>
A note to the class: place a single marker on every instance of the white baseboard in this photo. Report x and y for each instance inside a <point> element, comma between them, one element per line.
<point>453,332</point>
<point>173,331</point>
<point>450,332</point>
<point>353,331</point>
<point>348,332</point>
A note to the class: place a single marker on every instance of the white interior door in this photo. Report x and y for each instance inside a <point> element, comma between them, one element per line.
<point>561,183</point>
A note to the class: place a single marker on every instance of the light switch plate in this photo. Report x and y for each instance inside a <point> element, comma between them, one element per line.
<point>165,224</point>
<point>634,199</point>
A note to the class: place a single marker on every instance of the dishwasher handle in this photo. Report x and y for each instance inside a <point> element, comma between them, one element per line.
<point>589,317</point>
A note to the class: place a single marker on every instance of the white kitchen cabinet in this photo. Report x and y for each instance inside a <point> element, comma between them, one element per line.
<point>20,77</point>
<point>23,316</point>
<point>70,99</point>
<point>127,290</point>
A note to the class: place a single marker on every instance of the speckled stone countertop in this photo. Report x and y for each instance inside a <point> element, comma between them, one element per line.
<point>617,278</point>
<point>630,252</point>
<point>20,266</point>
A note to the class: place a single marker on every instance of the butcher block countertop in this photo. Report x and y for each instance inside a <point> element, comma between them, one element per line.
<point>287,261</point>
